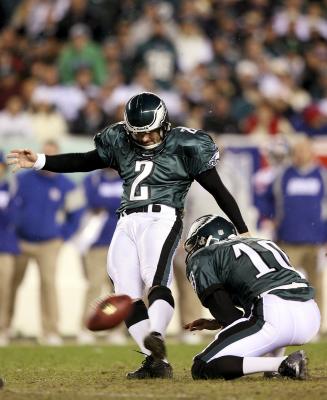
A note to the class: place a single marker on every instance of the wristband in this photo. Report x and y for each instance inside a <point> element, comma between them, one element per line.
<point>40,161</point>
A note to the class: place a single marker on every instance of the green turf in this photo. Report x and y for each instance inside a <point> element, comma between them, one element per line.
<point>72,372</point>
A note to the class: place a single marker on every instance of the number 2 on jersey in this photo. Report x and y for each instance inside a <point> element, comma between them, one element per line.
<point>141,192</point>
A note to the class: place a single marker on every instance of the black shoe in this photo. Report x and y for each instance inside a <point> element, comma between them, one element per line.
<point>295,366</point>
<point>272,375</point>
<point>161,369</point>
<point>155,343</point>
<point>144,372</point>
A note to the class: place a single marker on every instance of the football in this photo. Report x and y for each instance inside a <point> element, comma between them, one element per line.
<point>109,312</point>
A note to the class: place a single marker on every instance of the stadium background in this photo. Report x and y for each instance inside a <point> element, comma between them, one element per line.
<point>246,71</point>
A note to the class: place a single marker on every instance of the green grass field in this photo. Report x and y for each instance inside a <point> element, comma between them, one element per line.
<point>98,372</point>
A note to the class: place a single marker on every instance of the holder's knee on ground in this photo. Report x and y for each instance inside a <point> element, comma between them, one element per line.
<point>226,367</point>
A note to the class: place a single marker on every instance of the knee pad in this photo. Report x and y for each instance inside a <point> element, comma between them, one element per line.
<point>198,369</point>
<point>160,293</point>
<point>139,313</point>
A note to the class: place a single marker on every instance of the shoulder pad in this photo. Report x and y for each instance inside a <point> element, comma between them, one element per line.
<point>188,133</point>
<point>111,133</point>
<point>190,137</point>
<point>193,142</point>
<point>111,130</point>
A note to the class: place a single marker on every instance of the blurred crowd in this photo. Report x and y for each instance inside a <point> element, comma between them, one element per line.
<point>253,67</point>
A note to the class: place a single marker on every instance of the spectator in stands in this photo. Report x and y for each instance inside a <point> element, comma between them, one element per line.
<point>8,250</point>
<point>103,191</point>
<point>84,82</point>
<point>9,86</point>
<point>253,50</point>
<point>142,24</point>
<point>308,23</point>
<point>121,91</point>
<point>314,23</point>
<point>68,99</point>
<point>218,118</point>
<point>90,119</point>
<point>116,62</point>
<point>193,47</point>
<point>7,7</point>
<point>10,62</point>
<point>192,114</point>
<point>322,82</point>
<point>222,80</point>
<point>275,156</point>
<point>224,54</point>
<point>287,15</point>
<point>14,121</point>
<point>298,197</point>
<point>265,122</point>
<point>38,17</point>
<point>85,12</point>
<point>312,121</point>
<point>246,94</point>
<point>28,87</point>
<point>47,122</point>
<point>315,57</point>
<point>81,51</point>
<point>47,194</point>
<point>279,36</point>
<point>158,55</point>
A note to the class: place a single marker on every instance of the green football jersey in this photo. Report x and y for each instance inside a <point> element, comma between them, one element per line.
<point>163,176</point>
<point>247,268</point>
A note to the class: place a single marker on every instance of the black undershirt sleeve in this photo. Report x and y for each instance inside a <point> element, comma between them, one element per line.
<point>222,307</point>
<point>210,180</point>
<point>74,162</point>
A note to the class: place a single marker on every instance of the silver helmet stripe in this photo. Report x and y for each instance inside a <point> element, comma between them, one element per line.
<point>208,218</point>
<point>159,116</point>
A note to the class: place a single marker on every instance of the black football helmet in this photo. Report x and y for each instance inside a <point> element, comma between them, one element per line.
<point>146,112</point>
<point>207,230</point>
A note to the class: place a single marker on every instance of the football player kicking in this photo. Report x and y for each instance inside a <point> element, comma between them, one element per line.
<point>255,274</point>
<point>157,164</point>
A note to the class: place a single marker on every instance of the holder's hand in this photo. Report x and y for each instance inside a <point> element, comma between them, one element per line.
<point>21,158</point>
<point>202,323</point>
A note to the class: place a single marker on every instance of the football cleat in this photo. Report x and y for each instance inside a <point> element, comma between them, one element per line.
<point>155,343</point>
<point>151,369</point>
<point>272,375</point>
<point>161,369</point>
<point>144,372</point>
<point>295,366</point>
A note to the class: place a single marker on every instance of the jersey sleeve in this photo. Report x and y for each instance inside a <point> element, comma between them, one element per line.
<point>202,276</point>
<point>201,153</point>
<point>104,146</point>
